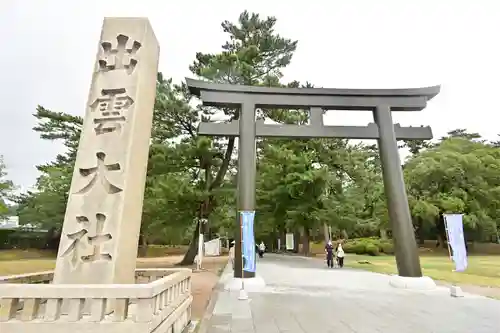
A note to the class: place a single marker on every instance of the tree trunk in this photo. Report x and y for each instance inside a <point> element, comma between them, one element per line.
<point>326,233</point>
<point>345,235</point>
<point>203,213</point>
<point>296,241</point>
<point>305,242</point>
<point>420,231</point>
<point>441,240</point>
<point>441,231</point>
<point>143,247</point>
<point>283,240</point>
<point>383,233</point>
<point>272,242</point>
<point>193,247</point>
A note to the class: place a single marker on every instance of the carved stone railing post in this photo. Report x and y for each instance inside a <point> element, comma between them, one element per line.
<point>103,215</point>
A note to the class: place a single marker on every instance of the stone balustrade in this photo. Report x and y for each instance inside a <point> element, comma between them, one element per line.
<point>39,277</point>
<point>141,276</point>
<point>159,302</point>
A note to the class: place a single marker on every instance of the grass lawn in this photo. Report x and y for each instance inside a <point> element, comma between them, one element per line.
<point>20,262</point>
<point>30,261</point>
<point>482,270</point>
<point>11,267</point>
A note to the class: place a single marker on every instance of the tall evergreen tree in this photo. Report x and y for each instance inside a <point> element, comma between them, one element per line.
<point>6,187</point>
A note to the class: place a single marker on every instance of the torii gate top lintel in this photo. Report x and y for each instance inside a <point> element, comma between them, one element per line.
<point>316,100</point>
<point>215,94</point>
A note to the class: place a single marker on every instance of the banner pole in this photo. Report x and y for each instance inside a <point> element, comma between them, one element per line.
<point>243,295</point>
<point>446,236</point>
<point>242,257</point>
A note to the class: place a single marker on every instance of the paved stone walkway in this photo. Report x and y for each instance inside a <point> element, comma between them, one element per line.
<point>303,296</point>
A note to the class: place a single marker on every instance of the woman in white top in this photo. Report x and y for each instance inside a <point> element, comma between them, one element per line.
<point>262,249</point>
<point>340,255</point>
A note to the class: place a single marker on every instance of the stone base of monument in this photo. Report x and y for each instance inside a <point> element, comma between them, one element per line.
<point>254,284</point>
<point>159,301</point>
<point>412,283</point>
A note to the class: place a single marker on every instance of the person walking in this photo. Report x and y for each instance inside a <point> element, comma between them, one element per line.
<point>340,255</point>
<point>231,253</point>
<point>262,249</point>
<point>329,254</point>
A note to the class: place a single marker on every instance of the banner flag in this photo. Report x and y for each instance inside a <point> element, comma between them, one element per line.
<point>455,231</point>
<point>248,241</point>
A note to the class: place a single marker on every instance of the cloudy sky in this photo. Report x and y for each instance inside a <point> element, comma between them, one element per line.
<point>48,50</point>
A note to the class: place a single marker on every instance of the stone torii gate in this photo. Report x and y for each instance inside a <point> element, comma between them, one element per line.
<point>379,101</point>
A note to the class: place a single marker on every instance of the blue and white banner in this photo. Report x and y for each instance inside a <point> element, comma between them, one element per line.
<point>248,241</point>
<point>455,230</point>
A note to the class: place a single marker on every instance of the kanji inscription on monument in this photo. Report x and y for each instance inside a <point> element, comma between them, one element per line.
<point>103,214</point>
<point>97,240</point>
<point>98,174</point>
<point>122,55</point>
<point>109,110</point>
<point>77,245</point>
<point>82,241</point>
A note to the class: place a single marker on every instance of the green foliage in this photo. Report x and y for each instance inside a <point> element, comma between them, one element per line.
<point>290,186</point>
<point>458,175</point>
<point>4,238</point>
<point>386,247</point>
<point>254,54</point>
<point>46,206</point>
<point>371,246</point>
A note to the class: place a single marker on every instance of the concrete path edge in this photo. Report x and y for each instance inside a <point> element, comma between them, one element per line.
<point>203,324</point>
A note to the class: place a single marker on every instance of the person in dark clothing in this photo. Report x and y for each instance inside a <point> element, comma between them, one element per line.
<point>329,254</point>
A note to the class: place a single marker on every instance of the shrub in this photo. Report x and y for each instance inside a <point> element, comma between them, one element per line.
<point>369,245</point>
<point>372,246</point>
<point>386,247</point>
<point>372,250</point>
<point>358,247</point>
<point>348,248</point>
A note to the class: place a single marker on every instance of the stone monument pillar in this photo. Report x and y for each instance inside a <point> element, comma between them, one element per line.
<point>103,215</point>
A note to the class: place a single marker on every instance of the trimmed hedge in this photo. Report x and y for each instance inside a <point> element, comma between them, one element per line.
<point>371,246</point>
